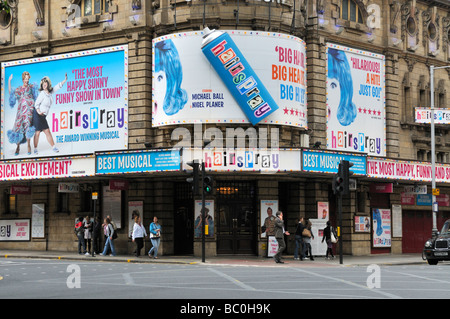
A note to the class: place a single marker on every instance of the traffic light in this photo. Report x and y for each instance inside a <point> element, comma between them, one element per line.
<point>207,185</point>
<point>338,180</point>
<point>346,176</point>
<point>193,179</point>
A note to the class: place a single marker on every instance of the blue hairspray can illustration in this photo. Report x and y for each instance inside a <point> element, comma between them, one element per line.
<point>237,74</point>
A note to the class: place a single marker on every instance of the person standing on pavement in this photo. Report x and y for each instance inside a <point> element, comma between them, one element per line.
<point>138,235</point>
<point>155,236</point>
<point>299,240</point>
<point>79,230</point>
<point>279,236</point>
<point>109,232</point>
<point>88,234</point>
<point>307,241</point>
<point>96,233</point>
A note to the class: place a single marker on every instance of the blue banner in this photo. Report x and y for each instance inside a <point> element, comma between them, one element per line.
<point>138,162</point>
<point>327,162</point>
<point>424,199</point>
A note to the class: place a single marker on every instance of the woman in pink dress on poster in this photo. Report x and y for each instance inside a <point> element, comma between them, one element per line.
<point>25,95</point>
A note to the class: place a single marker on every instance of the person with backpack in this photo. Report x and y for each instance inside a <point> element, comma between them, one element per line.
<point>109,232</point>
<point>79,231</point>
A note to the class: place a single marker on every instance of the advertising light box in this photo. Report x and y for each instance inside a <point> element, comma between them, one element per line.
<point>356,115</point>
<point>66,104</point>
<point>187,89</point>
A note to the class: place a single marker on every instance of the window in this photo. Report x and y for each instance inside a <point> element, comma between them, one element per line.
<point>86,204</point>
<point>10,203</point>
<point>94,7</point>
<point>441,101</point>
<point>350,11</point>
<point>422,98</point>
<point>408,111</point>
<point>63,203</point>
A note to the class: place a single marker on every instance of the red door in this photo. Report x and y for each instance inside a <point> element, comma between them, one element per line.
<point>417,226</point>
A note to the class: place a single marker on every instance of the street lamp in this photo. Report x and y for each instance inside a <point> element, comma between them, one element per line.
<point>434,206</point>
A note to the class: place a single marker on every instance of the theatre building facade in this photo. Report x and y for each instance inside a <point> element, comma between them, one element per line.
<point>105,105</point>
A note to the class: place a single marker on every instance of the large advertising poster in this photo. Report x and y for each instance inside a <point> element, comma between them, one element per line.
<point>356,120</point>
<point>209,219</point>
<point>381,230</point>
<point>15,230</point>
<point>268,210</point>
<point>187,89</point>
<point>66,104</point>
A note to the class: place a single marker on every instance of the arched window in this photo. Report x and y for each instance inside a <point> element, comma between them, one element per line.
<point>350,11</point>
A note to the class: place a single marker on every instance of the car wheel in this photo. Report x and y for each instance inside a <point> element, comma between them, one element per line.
<point>432,261</point>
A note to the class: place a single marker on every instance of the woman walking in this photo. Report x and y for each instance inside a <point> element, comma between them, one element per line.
<point>327,237</point>
<point>155,236</point>
<point>109,232</point>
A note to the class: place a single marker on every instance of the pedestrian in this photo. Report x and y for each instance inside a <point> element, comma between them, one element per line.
<point>79,230</point>
<point>138,235</point>
<point>155,236</point>
<point>109,232</point>
<point>113,223</point>
<point>279,236</point>
<point>307,236</point>
<point>327,237</point>
<point>88,233</point>
<point>299,240</point>
<point>96,235</point>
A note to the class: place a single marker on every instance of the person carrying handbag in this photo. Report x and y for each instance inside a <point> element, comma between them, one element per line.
<point>155,236</point>
<point>299,240</point>
<point>307,235</point>
<point>327,237</point>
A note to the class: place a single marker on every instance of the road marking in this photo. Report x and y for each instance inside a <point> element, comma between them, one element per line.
<point>128,279</point>
<point>375,290</point>
<point>229,278</point>
<point>420,277</point>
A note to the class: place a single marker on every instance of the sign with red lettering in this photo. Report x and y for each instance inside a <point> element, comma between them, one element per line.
<point>14,229</point>
<point>57,168</point>
<point>406,170</point>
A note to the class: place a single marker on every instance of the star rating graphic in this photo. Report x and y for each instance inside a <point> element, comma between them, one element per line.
<point>369,111</point>
<point>294,112</point>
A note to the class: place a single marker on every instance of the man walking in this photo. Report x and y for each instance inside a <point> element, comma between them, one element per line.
<point>279,235</point>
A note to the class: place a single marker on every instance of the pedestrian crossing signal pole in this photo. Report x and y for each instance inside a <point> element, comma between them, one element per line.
<point>94,198</point>
<point>203,212</point>
<point>341,187</point>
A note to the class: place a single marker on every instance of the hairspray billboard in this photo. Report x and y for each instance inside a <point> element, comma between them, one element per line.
<point>66,104</point>
<point>356,115</point>
<point>229,77</point>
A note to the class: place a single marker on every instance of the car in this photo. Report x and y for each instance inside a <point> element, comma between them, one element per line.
<point>438,249</point>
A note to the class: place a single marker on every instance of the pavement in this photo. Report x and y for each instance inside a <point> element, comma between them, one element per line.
<point>319,261</point>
